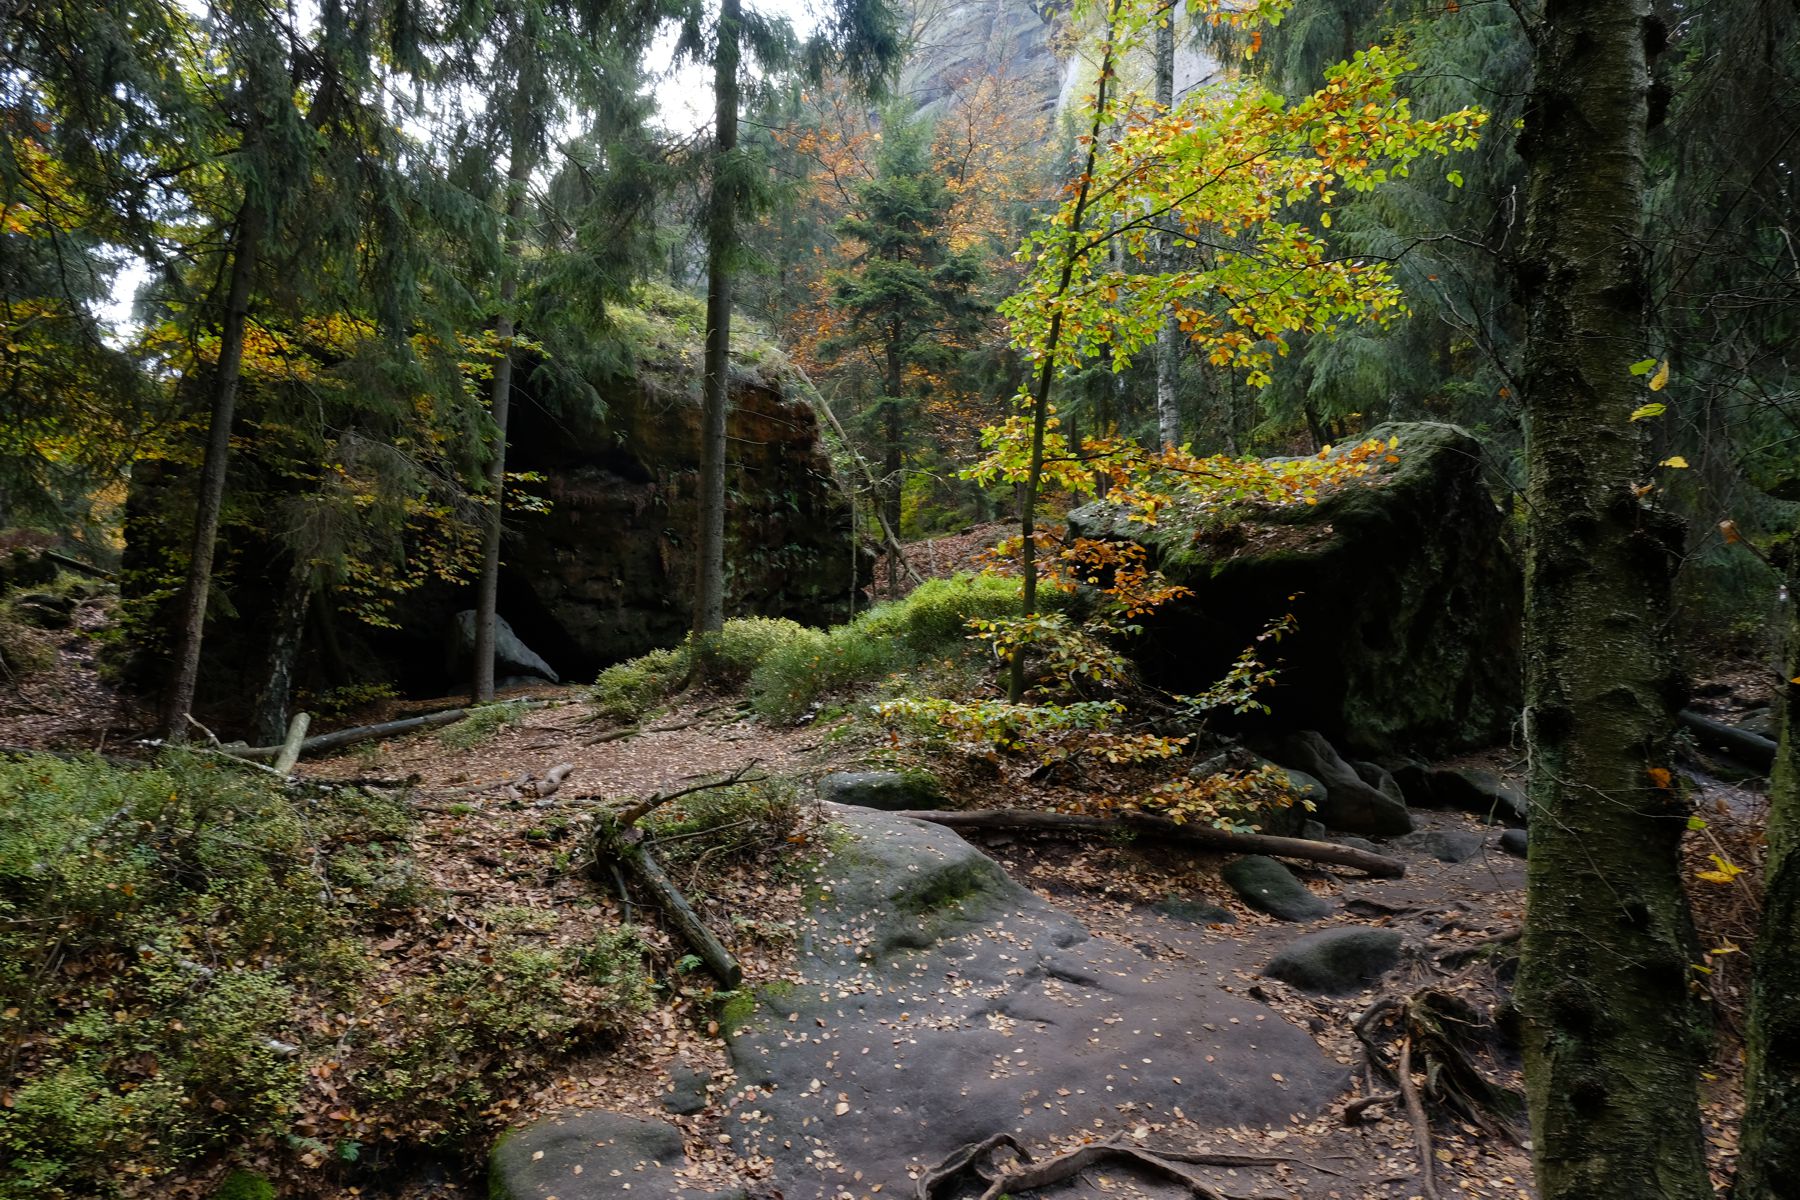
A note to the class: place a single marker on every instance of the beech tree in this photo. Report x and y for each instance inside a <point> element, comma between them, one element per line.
<point>1613,1036</point>
<point>1223,176</point>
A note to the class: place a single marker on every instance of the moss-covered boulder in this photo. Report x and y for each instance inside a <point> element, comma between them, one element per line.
<point>1407,591</point>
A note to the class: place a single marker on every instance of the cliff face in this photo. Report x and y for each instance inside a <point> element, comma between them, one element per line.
<point>606,573</point>
<point>609,571</point>
<point>1028,43</point>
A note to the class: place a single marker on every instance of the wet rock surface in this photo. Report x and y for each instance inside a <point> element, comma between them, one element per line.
<point>594,1155</point>
<point>942,1002</point>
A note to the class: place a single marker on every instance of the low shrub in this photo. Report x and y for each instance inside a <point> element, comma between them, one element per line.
<point>482,723</point>
<point>156,928</point>
<point>728,824</point>
<point>450,1042</point>
<point>629,690</point>
<point>788,667</point>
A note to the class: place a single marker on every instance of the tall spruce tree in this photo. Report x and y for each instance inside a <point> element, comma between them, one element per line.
<point>908,298</point>
<point>858,39</point>
<point>545,65</point>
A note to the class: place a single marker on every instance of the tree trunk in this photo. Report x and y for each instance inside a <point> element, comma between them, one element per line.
<point>1769,1158</point>
<point>288,632</point>
<point>1612,1034</point>
<point>1040,400</point>
<point>245,245</point>
<point>1168,337</point>
<point>721,221</point>
<point>487,598</point>
<point>891,458</point>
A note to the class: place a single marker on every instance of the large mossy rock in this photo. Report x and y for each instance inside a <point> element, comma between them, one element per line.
<point>606,572</point>
<point>1409,600</point>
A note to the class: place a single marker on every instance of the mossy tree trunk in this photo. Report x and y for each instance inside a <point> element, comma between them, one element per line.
<point>1769,1162</point>
<point>1612,1031</point>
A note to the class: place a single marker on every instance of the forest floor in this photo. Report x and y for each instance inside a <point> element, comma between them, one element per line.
<point>486,846</point>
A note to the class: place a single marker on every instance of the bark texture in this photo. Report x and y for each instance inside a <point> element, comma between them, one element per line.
<point>487,592</point>
<point>1769,1158</point>
<point>246,244</point>
<point>1168,336</point>
<point>721,219</point>
<point>1613,1036</point>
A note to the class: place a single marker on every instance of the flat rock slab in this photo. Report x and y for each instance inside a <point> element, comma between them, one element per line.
<point>1335,961</point>
<point>1269,887</point>
<point>593,1155</point>
<point>941,1002</point>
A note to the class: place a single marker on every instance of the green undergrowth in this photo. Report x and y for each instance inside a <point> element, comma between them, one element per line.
<point>482,723</point>
<point>785,668</point>
<point>173,940</point>
<point>721,826</point>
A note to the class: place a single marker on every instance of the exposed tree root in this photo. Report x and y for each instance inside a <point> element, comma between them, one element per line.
<point>1415,1115</point>
<point>1436,1031</point>
<point>1031,1173</point>
<point>1198,835</point>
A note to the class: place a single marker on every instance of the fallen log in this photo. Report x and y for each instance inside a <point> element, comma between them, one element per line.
<point>1751,749</point>
<point>340,738</point>
<point>619,845</point>
<point>1198,835</point>
<point>644,870</point>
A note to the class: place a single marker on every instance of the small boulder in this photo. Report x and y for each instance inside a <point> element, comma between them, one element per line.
<point>1334,961</point>
<point>1314,831</point>
<point>686,1093</point>
<point>1193,912</point>
<point>1267,886</point>
<point>45,610</point>
<point>885,791</point>
<point>1351,804</point>
<point>1513,841</point>
<point>1483,793</point>
<point>1445,845</point>
<point>1379,778</point>
<point>511,656</point>
<point>592,1155</point>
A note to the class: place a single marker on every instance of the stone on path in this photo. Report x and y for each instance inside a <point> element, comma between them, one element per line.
<point>1513,841</point>
<point>1193,912</point>
<point>1483,793</point>
<point>593,1155</point>
<point>1267,886</point>
<point>1351,805</point>
<point>939,1002</point>
<point>1445,845</point>
<point>1335,961</point>
<point>888,791</point>
<point>687,1089</point>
